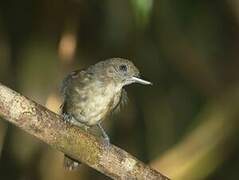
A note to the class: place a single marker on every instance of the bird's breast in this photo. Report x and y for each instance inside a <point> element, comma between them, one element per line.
<point>95,103</point>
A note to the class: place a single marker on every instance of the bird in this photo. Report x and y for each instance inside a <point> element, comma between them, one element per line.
<point>91,95</point>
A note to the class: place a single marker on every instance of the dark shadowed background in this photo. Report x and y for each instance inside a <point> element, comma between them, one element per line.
<point>186,125</point>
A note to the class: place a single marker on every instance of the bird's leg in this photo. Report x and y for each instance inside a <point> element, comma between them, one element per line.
<point>105,136</point>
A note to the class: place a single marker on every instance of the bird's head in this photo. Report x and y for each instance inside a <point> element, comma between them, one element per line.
<point>122,71</point>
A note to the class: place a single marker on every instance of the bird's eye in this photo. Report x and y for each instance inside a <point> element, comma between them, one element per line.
<point>123,67</point>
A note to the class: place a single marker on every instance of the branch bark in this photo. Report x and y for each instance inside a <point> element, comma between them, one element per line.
<point>75,142</point>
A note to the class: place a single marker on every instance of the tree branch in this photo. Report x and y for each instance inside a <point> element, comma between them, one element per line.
<point>75,142</point>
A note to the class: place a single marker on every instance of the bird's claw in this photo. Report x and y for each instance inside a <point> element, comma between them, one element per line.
<point>67,118</point>
<point>106,142</point>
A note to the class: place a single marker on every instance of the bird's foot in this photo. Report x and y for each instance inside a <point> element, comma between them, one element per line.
<point>68,118</point>
<point>106,142</point>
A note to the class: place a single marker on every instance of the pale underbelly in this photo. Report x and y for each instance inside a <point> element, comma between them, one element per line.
<point>95,111</point>
<point>96,108</point>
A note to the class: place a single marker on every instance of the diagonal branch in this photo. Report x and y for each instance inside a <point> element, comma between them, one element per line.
<point>79,144</point>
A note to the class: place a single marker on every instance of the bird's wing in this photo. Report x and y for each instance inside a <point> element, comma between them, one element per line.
<point>67,80</point>
<point>66,83</point>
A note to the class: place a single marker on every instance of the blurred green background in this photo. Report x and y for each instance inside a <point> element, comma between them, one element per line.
<point>186,125</point>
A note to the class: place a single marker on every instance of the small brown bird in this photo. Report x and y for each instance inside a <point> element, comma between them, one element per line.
<point>91,95</point>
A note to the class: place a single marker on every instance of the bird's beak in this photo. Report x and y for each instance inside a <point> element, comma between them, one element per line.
<point>141,81</point>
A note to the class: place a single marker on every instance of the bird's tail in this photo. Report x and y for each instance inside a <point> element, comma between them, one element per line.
<point>70,164</point>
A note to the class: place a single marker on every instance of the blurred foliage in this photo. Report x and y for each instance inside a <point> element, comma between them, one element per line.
<point>185,125</point>
<point>142,10</point>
